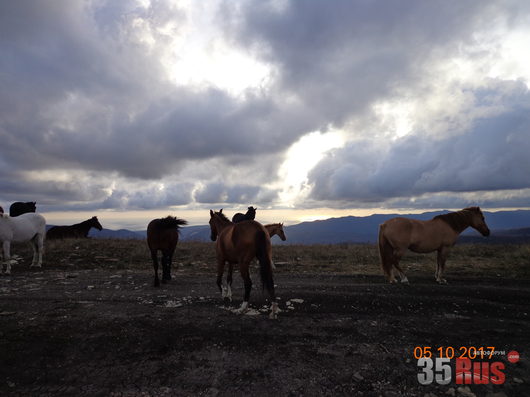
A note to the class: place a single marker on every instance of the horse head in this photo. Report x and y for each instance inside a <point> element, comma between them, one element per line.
<point>213,225</point>
<point>478,222</point>
<point>251,213</point>
<point>95,223</point>
<point>281,233</point>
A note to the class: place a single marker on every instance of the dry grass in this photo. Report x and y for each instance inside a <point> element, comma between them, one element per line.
<point>508,261</point>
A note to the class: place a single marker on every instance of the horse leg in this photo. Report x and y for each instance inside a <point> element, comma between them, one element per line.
<point>245,274</point>
<point>166,267</point>
<point>440,265</point>
<point>169,263</point>
<point>37,244</point>
<point>7,256</point>
<point>40,247</point>
<point>163,262</point>
<point>154,257</point>
<point>229,282</point>
<point>220,271</point>
<point>396,256</point>
<point>401,273</point>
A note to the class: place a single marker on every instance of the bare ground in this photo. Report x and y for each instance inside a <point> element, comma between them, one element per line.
<point>96,331</point>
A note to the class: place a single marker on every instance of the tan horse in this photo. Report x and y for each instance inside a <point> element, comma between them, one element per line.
<point>276,229</point>
<point>240,243</point>
<point>438,234</point>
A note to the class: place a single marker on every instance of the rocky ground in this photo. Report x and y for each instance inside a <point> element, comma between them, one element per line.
<point>79,331</point>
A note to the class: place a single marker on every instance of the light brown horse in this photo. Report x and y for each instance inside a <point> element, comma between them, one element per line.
<point>163,235</point>
<point>438,234</point>
<point>240,243</point>
<point>276,229</point>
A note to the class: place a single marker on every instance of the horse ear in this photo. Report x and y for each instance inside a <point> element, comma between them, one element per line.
<point>221,211</point>
<point>211,213</point>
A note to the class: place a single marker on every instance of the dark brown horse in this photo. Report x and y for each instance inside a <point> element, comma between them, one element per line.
<point>438,234</point>
<point>240,243</point>
<point>163,235</point>
<point>19,208</point>
<point>250,215</point>
<point>79,230</point>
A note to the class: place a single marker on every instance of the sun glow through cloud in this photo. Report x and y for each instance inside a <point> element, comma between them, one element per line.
<point>301,157</point>
<point>200,57</point>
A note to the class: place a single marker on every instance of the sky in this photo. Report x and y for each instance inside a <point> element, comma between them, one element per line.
<point>305,109</point>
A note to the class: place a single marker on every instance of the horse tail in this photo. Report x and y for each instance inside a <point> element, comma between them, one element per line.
<point>386,252</point>
<point>265,263</point>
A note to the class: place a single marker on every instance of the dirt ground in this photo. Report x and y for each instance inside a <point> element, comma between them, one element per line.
<point>108,332</point>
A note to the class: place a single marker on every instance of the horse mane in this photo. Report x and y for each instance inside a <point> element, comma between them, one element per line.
<point>171,222</point>
<point>222,216</point>
<point>458,220</point>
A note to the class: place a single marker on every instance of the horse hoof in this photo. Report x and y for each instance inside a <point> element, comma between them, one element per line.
<point>442,281</point>
<point>243,309</point>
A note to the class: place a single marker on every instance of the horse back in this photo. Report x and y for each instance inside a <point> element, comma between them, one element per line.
<point>417,235</point>
<point>27,225</point>
<point>239,240</point>
<point>159,238</point>
<point>57,232</point>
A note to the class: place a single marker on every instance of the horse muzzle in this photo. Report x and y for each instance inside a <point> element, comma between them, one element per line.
<point>485,232</point>
<point>213,237</point>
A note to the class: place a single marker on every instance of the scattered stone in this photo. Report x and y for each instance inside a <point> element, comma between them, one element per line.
<point>518,380</point>
<point>358,377</point>
<point>297,300</point>
<point>465,391</point>
<point>173,304</point>
<point>451,392</point>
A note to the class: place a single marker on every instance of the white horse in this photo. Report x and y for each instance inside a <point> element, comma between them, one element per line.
<point>26,227</point>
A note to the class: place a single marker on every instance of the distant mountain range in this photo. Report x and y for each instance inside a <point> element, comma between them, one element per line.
<point>506,227</point>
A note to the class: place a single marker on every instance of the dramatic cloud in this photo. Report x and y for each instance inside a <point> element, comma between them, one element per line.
<point>156,104</point>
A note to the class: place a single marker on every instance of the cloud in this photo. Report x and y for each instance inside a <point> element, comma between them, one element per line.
<point>489,156</point>
<point>103,104</point>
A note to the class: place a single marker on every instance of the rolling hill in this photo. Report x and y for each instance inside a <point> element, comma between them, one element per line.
<point>506,226</point>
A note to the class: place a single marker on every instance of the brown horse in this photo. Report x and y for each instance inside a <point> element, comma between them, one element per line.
<point>163,235</point>
<point>240,243</point>
<point>79,230</point>
<point>276,229</point>
<point>438,234</point>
